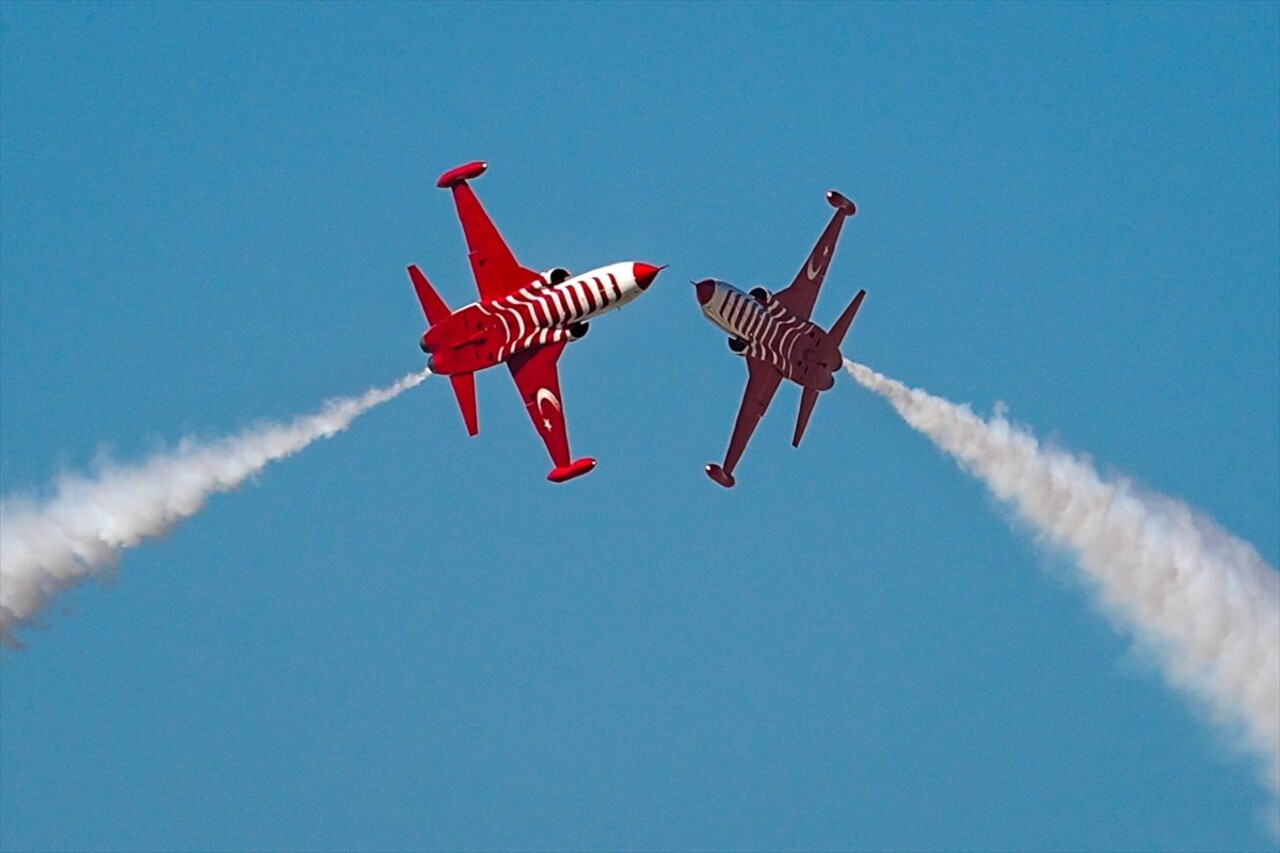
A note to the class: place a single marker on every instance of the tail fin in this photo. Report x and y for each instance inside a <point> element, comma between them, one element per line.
<point>464,388</point>
<point>464,384</point>
<point>807,400</point>
<point>837,333</point>
<point>432,305</point>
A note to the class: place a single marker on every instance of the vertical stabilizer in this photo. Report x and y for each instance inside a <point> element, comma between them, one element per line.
<point>837,333</point>
<point>432,305</point>
<point>808,398</point>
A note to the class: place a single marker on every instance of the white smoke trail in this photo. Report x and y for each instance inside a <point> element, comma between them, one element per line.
<point>47,548</point>
<point>1202,600</point>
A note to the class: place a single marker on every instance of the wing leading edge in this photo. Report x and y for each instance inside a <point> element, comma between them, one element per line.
<point>800,296</point>
<point>496,269</point>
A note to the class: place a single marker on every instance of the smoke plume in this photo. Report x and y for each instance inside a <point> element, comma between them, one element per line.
<point>47,548</point>
<point>1202,600</point>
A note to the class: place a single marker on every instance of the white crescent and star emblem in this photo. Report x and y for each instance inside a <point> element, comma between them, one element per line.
<point>544,395</point>
<point>811,270</point>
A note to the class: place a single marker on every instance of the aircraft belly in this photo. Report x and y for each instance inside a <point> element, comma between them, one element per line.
<point>538,338</point>
<point>794,352</point>
<point>470,356</point>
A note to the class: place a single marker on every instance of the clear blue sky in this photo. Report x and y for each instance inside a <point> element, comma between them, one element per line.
<point>406,639</point>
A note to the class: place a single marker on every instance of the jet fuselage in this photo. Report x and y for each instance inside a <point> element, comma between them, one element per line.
<point>799,349</point>
<point>486,333</point>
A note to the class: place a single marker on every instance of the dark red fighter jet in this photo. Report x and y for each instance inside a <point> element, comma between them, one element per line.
<point>773,333</point>
<point>523,319</point>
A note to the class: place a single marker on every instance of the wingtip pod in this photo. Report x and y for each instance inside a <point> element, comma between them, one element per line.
<point>462,173</point>
<point>563,473</point>
<point>721,476</point>
<point>840,203</point>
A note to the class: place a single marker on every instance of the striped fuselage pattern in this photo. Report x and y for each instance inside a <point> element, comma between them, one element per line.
<point>489,332</point>
<point>797,348</point>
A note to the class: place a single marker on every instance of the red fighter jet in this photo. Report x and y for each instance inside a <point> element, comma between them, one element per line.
<point>523,319</point>
<point>773,333</point>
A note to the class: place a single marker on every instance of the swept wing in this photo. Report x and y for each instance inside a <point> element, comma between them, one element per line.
<point>538,380</point>
<point>800,296</point>
<point>496,269</point>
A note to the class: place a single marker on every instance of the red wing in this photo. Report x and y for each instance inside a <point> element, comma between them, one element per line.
<point>762,384</point>
<point>800,297</point>
<point>535,374</point>
<point>496,270</point>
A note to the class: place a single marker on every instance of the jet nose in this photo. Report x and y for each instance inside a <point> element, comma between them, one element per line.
<point>705,290</point>
<point>645,274</point>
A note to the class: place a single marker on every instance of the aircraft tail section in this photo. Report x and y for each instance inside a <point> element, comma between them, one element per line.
<point>809,397</point>
<point>432,305</point>
<point>464,384</point>
<point>464,388</point>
